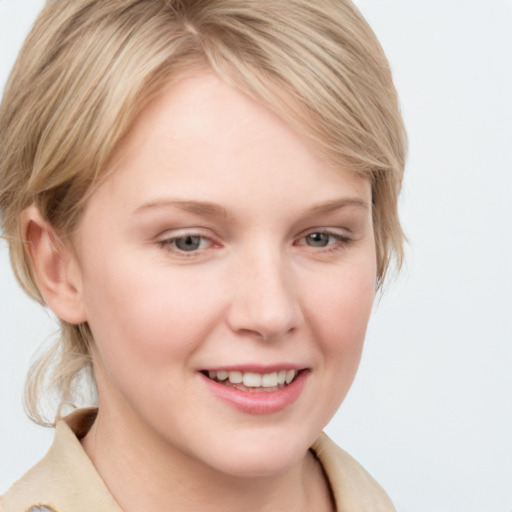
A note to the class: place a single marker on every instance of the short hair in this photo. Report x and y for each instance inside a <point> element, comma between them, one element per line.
<point>89,67</point>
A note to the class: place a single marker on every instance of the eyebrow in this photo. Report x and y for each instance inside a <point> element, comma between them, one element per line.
<point>337,204</point>
<point>202,208</point>
<point>208,209</point>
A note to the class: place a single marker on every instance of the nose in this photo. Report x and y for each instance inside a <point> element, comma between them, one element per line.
<point>264,298</point>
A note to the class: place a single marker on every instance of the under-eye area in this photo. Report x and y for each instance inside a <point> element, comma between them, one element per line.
<point>253,381</point>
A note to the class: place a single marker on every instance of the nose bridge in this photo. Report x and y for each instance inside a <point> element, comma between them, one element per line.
<point>264,299</point>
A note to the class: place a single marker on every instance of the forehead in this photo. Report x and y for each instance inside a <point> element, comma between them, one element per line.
<point>201,139</point>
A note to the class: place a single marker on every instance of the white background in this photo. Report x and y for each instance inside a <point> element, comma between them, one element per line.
<point>430,413</point>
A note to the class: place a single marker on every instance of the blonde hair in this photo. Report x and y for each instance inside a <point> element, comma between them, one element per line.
<point>89,67</point>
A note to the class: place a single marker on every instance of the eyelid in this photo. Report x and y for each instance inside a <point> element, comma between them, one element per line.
<point>173,233</point>
<point>341,241</point>
<point>336,232</point>
<point>166,238</point>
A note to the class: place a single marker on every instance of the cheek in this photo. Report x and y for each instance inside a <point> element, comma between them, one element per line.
<point>340,307</point>
<point>338,314</point>
<point>144,316</point>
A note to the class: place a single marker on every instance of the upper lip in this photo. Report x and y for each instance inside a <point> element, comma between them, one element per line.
<point>256,368</point>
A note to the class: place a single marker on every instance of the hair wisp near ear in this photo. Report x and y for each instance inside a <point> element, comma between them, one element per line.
<point>54,267</point>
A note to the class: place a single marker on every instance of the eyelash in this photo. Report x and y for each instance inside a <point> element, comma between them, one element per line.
<point>169,244</point>
<point>340,242</point>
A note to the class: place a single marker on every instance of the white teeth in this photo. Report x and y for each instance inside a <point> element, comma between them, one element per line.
<point>255,380</point>
<point>252,380</point>
<point>290,375</point>
<point>269,380</point>
<point>235,377</point>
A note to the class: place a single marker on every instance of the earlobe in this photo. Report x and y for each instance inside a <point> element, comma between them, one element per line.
<point>54,266</point>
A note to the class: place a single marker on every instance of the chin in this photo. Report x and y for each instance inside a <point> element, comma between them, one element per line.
<point>261,457</point>
<point>259,467</point>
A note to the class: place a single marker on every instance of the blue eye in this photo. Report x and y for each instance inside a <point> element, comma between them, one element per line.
<point>188,243</point>
<point>320,239</point>
<point>324,241</point>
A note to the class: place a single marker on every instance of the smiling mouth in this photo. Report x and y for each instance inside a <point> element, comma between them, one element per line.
<point>252,381</point>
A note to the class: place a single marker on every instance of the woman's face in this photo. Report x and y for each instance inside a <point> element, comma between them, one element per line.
<point>223,249</point>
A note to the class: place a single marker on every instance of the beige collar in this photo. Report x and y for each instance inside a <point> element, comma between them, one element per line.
<point>354,489</point>
<point>53,481</point>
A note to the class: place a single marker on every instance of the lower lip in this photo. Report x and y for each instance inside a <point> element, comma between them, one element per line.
<point>259,402</point>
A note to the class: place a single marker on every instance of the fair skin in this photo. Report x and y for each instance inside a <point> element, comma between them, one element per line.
<point>227,245</point>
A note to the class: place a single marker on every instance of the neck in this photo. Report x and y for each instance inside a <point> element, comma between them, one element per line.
<point>144,473</point>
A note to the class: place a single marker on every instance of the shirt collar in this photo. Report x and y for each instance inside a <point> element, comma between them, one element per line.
<point>65,480</point>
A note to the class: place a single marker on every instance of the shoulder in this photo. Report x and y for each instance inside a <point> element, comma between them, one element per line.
<point>65,480</point>
<point>27,494</point>
<point>354,489</point>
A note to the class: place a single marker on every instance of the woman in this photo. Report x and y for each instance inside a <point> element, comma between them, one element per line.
<point>205,194</point>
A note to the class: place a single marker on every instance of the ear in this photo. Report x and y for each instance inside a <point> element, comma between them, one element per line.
<point>55,267</point>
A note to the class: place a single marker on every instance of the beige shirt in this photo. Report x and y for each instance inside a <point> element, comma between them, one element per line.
<point>65,480</point>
